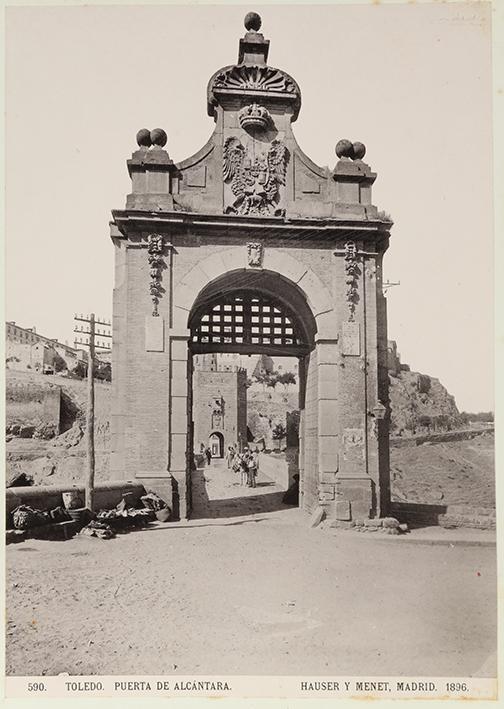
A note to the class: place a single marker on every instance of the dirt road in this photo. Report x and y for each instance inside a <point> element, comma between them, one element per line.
<point>256,593</point>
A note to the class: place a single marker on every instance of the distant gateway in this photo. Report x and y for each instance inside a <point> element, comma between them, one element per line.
<point>249,247</point>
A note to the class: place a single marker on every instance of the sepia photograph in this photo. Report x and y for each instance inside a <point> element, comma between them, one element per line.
<point>249,351</point>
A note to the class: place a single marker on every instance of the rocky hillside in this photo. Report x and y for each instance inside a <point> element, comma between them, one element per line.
<point>420,404</point>
<point>267,407</point>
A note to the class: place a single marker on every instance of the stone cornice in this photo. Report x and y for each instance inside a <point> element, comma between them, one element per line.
<point>309,228</point>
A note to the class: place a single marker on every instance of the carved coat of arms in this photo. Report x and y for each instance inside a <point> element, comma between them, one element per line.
<point>255,179</point>
<point>217,406</point>
<point>254,254</point>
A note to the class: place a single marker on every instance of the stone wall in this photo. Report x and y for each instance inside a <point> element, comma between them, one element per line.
<point>276,468</point>
<point>440,437</point>
<point>447,516</point>
<point>309,436</point>
<point>33,405</point>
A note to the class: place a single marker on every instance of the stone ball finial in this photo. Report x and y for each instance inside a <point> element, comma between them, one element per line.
<point>359,150</point>
<point>158,137</point>
<point>344,148</point>
<point>252,21</point>
<point>143,138</point>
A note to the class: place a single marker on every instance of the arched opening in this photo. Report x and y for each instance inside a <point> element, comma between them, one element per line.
<point>216,444</point>
<point>251,335</point>
<point>252,312</point>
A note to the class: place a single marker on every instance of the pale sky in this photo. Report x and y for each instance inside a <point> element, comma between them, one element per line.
<point>413,82</point>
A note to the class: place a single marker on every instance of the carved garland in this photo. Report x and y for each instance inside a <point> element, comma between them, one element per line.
<point>155,248</point>
<point>352,272</point>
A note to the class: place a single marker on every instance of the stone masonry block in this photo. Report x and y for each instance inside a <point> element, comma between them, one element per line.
<point>179,414</point>
<point>178,452</point>
<point>328,411</point>
<point>281,262</point>
<point>154,334</point>
<point>184,295</point>
<point>329,445</point>
<point>213,266</point>
<point>316,293</point>
<point>328,380</point>
<point>235,259</point>
<point>328,495</point>
<point>179,384</point>
<point>328,460</point>
<point>196,279</point>
<point>351,339</point>
<point>328,353</point>
<point>361,509</point>
<point>354,490</point>
<point>179,350</point>
<point>180,317</point>
<point>342,511</point>
<point>179,369</point>
<point>326,487</point>
<point>328,463</point>
<point>325,324</point>
<point>329,478</point>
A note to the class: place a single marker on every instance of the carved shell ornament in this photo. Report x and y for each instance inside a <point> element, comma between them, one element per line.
<point>255,178</point>
<point>254,81</point>
<point>254,78</point>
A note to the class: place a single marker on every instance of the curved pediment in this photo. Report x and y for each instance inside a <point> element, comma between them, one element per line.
<point>253,83</point>
<point>252,165</point>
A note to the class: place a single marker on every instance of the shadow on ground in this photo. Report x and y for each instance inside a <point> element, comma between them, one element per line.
<point>417,515</point>
<point>251,503</point>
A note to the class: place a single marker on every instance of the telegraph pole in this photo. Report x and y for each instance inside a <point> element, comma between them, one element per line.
<point>389,284</point>
<point>91,333</point>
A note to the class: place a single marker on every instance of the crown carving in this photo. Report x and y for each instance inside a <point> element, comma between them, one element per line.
<point>254,116</point>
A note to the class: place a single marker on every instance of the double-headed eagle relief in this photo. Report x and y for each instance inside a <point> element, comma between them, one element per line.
<point>255,178</point>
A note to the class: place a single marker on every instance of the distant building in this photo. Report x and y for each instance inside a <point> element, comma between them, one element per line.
<point>219,405</point>
<point>25,349</point>
<point>394,359</point>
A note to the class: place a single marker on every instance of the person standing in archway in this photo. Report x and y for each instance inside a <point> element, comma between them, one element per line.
<point>252,468</point>
<point>208,454</point>
<point>244,468</point>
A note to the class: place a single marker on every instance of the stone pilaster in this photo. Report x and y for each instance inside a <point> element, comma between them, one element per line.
<point>178,415</point>
<point>118,414</point>
<point>328,432</point>
<point>355,490</point>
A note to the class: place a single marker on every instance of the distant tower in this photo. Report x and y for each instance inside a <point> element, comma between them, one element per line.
<point>219,406</point>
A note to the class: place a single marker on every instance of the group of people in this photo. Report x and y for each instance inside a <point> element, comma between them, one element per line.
<point>246,463</point>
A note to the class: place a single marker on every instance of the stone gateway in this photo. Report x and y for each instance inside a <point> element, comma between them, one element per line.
<point>250,247</point>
